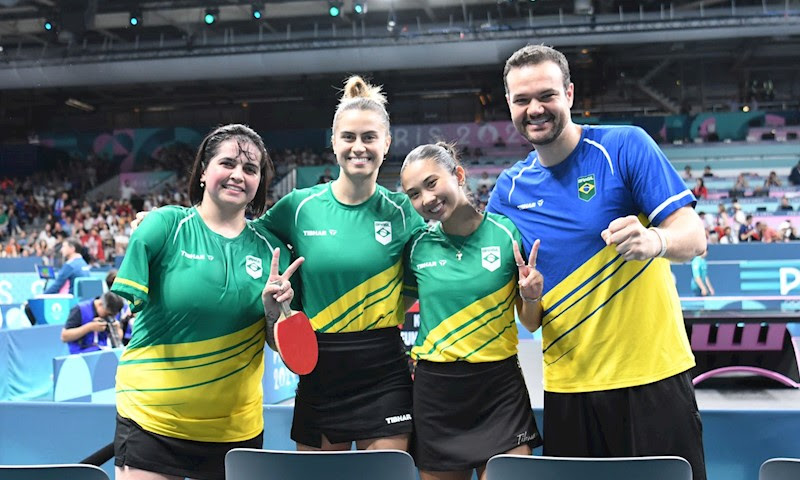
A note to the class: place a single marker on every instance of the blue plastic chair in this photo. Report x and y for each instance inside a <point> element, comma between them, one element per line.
<point>253,464</point>
<point>52,472</point>
<point>514,467</point>
<point>780,469</point>
<point>88,287</point>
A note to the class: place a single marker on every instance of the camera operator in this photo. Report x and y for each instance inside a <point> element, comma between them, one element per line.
<point>125,317</point>
<point>89,323</point>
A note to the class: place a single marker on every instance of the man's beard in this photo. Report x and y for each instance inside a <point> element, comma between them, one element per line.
<point>557,127</point>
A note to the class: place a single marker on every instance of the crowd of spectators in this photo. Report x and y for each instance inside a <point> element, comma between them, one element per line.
<point>744,185</point>
<point>731,224</point>
<point>288,159</point>
<point>39,211</point>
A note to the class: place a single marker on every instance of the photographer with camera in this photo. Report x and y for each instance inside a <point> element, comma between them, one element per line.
<point>125,317</point>
<point>91,324</point>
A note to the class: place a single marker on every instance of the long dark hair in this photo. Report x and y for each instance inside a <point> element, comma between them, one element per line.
<point>209,148</point>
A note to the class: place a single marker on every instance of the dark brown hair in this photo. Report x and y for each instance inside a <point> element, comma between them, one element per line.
<point>210,147</point>
<point>535,55</point>
<point>112,302</point>
<point>443,153</point>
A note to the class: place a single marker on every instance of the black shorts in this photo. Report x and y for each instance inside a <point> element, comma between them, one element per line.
<point>659,418</point>
<point>360,389</point>
<point>138,448</point>
<point>465,413</point>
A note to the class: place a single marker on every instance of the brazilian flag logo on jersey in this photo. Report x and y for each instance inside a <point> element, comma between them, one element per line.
<point>586,187</point>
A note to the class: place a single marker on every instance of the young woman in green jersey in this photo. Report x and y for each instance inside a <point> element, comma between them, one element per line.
<point>352,233</point>
<point>203,280</point>
<point>470,399</point>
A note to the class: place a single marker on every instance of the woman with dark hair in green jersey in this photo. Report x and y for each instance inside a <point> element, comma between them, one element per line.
<point>352,233</point>
<point>203,279</point>
<point>470,399</point>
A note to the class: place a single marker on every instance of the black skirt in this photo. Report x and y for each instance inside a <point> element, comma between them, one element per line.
<point>138,448</point>
<point>465,413</point>
<point>360,389</point>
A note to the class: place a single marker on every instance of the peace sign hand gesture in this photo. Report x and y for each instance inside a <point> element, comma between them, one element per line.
<point>531,281</point>
<point>278,288</point>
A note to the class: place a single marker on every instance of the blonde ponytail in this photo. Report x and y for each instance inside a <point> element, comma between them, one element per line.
<point>360,95</point>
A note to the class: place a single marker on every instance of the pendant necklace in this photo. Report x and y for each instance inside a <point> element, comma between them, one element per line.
<point>463,243</point>
<point>458,248</point>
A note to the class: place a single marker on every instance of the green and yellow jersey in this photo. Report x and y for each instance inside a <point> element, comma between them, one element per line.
<point>467,289</point>
<point>194,364</point>
<point>352,277</point>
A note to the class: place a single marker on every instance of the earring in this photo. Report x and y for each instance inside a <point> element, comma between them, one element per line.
<point>202,184</point>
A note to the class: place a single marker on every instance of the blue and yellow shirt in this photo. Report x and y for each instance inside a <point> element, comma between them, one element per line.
<point>607,323</point>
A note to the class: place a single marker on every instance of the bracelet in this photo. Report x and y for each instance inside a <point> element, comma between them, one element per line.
<point>530,300</point>
<point>663,238</point>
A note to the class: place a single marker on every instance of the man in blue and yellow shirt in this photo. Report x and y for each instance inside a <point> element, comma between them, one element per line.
<point>609,210</point>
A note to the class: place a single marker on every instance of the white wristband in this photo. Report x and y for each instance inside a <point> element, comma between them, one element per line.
<point>530,300</point>
<point>663,238</point>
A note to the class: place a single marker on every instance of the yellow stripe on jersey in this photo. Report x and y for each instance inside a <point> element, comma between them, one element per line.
<point>131,283</point>
<point>484,331</point>
<point>188,390</point>
<point>198,352</point>
<point>622,311</point>
<point>375,303</point>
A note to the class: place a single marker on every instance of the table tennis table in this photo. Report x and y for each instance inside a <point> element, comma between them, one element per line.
<point>747,341</point>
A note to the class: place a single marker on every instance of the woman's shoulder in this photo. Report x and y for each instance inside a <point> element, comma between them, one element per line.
<point>399,204</point>
<point>501,219</point>
<point>298,194</point>
<point>428,231</point>
<point>397,197</point>
<point>162,220</point>
<point>264,235</point>
<point>171,214</point>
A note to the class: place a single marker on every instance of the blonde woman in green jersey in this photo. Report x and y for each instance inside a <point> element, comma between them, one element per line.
<point>352,233</point>
<point>470,399</point>
<point>203,280</point>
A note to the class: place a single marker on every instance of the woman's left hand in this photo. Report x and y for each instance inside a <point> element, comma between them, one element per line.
<point>531,281</point>
<point>278,288</point>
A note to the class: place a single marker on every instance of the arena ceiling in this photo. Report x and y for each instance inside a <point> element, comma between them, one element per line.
<point>296,52</point>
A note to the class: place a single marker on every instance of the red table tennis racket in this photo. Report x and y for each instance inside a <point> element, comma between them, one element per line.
<point>294,340</point>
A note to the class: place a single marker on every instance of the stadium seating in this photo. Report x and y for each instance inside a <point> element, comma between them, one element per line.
<point>253,464</point>
<point>88,287</point>
<point>508,467</point>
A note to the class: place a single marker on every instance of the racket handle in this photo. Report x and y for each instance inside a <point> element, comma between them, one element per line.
<point>271,334</point>
<point>271,326</point>
<point>285,310</point>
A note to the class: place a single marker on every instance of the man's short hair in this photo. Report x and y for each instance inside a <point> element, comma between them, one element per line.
<point>112,302</point>
<point>535,55</point>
